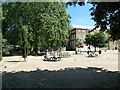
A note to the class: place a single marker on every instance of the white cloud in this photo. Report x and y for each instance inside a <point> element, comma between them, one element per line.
<point>78,20</point>
<point>82,20</point>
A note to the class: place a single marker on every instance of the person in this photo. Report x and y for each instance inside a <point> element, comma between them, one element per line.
<point>47,55</point>
<point>105,50</point>
<point>52,52</point>
<point>115,48</point>
<point>100,51</point>
<point>59,51</point>
<point>89,48</point>
<point>88,52</point>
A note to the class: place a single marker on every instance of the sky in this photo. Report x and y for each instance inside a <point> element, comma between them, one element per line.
<point>80,15</point>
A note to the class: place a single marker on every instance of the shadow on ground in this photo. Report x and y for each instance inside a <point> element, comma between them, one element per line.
<point>67,78</point>
<point>13,61</point>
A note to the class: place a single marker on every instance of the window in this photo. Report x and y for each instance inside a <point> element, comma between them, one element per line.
<point>79,36</point>
<point>83,37</point>
<point>71,37</point>
<point>74,31</point>
<point>70,43</point>
<point>74,36</point>
<point>73,42</point>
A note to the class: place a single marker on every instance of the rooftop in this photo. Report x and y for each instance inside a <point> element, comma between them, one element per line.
<point>83,27</point>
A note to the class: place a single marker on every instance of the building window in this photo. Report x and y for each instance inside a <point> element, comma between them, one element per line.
<point>83,37</point>
<point>74,36</point>
<point>74,31</point>
<point>79,36</point>
<point>73,43</point>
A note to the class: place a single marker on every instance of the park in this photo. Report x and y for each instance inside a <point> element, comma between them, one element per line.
<point>41,47</point>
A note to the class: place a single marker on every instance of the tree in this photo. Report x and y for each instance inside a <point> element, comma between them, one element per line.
<point>107,17</point>
<point>6,48</point>
<point>24,42</point>
<point>78,42</point>
<point>105,14</point>
<point>47,23</point>
<point>88,39</point>
<point>0,46</point>
<point>74,2</point>
<point>57,24</point>
<point>97,39</point>
<point>0,32</point>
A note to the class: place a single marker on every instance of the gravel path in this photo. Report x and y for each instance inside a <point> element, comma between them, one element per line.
<point>108,60</point>
<point>77,71</point>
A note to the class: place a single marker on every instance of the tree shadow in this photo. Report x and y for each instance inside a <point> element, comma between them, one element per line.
<point>13,61</point>
<point>68,78</point>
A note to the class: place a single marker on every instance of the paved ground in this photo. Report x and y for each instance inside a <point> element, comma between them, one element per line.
<point>107,60</point>
<point>80,72</point>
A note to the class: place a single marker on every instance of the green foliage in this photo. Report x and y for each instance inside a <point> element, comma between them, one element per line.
<point>97,39</point>
<point>107,15</point>
<point>0,32</point>
<point>88,39</point>
<point>24,41</point>
<point>78,42</point>
<point>47,23</point>
<point>5,47</point>
<point>0,46</point>
<point>79,2</point>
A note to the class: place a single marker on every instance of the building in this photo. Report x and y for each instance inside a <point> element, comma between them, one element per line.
<point>77,32</point>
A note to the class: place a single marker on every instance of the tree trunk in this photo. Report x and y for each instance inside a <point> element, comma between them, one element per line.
<point>35,50</point>
<point>25,59</point>
<point>109,45</point>
<point>95,49</point>
<point>35,47</point>
<point>0,45</point>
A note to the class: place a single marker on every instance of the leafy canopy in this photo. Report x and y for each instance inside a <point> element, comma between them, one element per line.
<point>97,39</point>
<point>47,22</point>
<point>78,42</point>
<point>105,14</point>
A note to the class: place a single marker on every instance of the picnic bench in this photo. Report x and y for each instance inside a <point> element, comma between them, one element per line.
<point>64,54</point>
<point>51,57</point>
<point>92,54</point>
